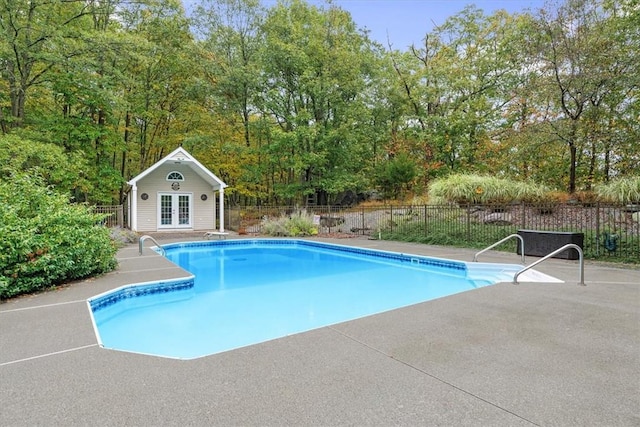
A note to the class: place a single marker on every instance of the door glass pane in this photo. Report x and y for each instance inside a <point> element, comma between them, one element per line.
<point>183,210</point>
<point>165,209</point>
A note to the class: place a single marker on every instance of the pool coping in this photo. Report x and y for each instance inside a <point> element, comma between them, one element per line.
<point>501,355</point>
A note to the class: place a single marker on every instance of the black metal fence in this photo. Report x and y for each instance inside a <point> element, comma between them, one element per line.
<point>610,232</point>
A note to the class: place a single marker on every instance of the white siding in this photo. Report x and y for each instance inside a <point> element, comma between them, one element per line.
<point>203,211</point>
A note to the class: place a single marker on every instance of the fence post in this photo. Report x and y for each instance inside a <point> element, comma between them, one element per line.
<point>120,216</point>
<point>468,223</point>
<point>426,211</point>
<point>362,226</point>
<point>597,239</point>
<point>391,218</point>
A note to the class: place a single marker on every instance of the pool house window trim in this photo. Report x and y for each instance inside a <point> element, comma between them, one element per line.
<point>175,176</point>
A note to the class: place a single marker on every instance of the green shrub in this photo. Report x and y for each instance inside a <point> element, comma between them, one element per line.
<point>298,224</point>
<point>46,240</point>
<point>57,167</point>
<point>621,190</point>
<point>478,189</point>
<point>395,175</point>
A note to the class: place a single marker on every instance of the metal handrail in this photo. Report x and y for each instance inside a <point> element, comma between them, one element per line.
<point>141,244</point>
<point>511,236</point>
<point>557,251</point>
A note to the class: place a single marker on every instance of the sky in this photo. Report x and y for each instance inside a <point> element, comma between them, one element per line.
<point>404,22</point>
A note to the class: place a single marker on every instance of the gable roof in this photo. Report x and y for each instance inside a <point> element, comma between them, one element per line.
<point>181,156</point>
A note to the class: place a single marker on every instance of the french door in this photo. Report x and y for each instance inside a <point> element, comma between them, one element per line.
<point>174,210</point>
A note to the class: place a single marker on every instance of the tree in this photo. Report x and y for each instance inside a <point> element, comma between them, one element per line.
<point>294,103</point>
<point>57,168</point>
<point>315,69</point>
<point>230,38</point>
<point>161,84</point>
<point>231,29</point>
<point>574,52</point>
<point>456,86</point>
<point>396,175</point>
<point>37,36</point>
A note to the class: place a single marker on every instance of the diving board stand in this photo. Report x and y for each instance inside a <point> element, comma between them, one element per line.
<point>220,234</point>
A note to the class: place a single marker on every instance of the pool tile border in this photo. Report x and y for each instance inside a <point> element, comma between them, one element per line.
<point>435,262</point>
<point>109,298</point>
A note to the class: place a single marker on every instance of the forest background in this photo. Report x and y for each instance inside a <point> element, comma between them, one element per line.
<point>295,101</point>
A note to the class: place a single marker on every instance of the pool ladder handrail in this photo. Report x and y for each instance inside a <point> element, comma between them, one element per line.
<point>557,251</point>
<point>145,237</point>
<point>511,236</point>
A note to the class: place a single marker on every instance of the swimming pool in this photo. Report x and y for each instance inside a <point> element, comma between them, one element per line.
<point>243,292</point>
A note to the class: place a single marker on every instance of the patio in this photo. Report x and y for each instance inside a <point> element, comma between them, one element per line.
<point>532,354</point>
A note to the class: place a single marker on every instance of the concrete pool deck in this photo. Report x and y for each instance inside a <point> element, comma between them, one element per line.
<point>503,355</point>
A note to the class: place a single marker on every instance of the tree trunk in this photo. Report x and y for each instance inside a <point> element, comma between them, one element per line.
<point>592,164</point>
<point>17,106</point>
<point>572,168</point>
<point>573,151</point>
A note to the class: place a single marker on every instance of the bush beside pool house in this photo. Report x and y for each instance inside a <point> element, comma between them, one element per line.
<point>176,194</point>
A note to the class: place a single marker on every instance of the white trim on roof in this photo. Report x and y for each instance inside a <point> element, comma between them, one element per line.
<point>181,155</point>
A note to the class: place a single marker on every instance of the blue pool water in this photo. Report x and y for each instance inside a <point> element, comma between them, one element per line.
<point>249,291</point>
